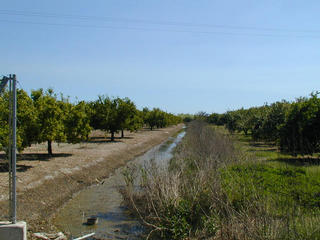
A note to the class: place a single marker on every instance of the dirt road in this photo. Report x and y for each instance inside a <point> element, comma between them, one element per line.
<point>44,183</point>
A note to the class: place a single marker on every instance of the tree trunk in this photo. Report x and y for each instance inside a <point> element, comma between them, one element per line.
<point>122,134</point>
<point>49,147</point>
<point>112,136</point>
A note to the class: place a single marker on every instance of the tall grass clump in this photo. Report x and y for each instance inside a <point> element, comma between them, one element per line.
<point>212,190</point>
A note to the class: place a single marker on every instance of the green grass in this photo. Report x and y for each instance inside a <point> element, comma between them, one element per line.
<point>287,181</point>
<point>286,187</point>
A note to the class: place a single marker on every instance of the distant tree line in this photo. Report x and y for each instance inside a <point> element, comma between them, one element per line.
<point>294,126</point>
<point>45,117</point>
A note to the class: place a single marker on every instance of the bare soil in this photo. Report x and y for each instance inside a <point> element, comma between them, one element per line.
<point>45,183</point>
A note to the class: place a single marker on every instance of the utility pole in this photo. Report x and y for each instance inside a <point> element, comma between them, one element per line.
<point>14,148</point>
<point>12,142</point>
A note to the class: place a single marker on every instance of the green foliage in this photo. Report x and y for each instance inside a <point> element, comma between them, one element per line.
<point>202,116</point>
<point>130,117</point>
<point>186,118</point>
<point>185,217</point>
<point>45,118</point>
<point>232,119</point>
<point>50,121</point>
<point>294,126</point>
<point>58,120</point>
<point>158,118</point>
<point>271,120</point>
<point>4,120</point>
<point>151,117</point>
<point>26,120</point>
<point>262,122</point>
<point>214,118</point>
<point>178,220</point>
<point>135,121</point>
<point>299,134</point>
<point>76,122</point>
<point>105,115</point>
<point>114,114</point>
<point>286,186</point>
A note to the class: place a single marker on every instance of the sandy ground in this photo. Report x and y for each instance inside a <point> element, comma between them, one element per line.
<point>44,183</point>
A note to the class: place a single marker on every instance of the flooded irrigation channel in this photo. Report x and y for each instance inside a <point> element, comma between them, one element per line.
<point>105,203</point>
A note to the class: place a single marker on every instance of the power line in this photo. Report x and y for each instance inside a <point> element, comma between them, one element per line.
<point>150,22</point>
<point>162,30</point>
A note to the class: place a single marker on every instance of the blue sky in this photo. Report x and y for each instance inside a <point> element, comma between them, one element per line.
<point>179,55</point>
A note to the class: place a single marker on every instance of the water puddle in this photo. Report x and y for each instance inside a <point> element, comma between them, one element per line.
<point>105,202</point>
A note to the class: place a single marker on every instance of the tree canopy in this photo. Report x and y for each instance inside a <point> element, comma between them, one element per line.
<point>293,126</point>
<point>26,123</point>
<point>50,118</point>
<point>45,117</point>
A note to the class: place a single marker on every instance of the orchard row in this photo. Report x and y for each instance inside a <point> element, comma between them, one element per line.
<point>294,126</point>
<point>43,117</point>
